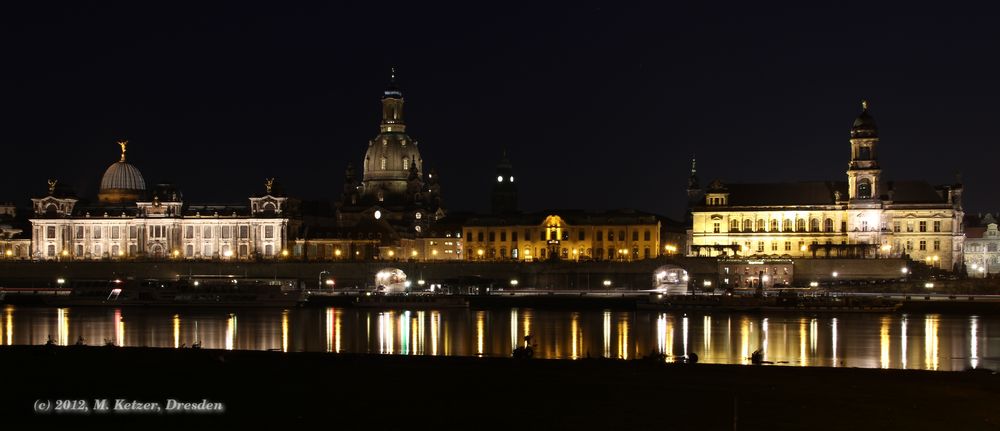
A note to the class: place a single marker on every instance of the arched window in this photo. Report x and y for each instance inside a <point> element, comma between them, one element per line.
<point>800,225</point>
<point>760,225</point>
<point>747,225</point>
<point>734,226</point>
<point>406,163</point>
<point>864,189</point>
<point>787,225</point>
<point>828,225</point>
<point>814,225</point>
<point>774,225</point>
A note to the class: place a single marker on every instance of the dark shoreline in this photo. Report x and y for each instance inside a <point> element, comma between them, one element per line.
<point>397,392</point>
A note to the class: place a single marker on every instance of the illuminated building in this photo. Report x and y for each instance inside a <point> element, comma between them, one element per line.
<point>13,243</point>
<point>130,222</point>
<point>393,211</point>
<point>861,217</point>
<point>982,246</point>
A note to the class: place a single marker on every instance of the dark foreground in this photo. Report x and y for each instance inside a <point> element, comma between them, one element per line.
<point>394,392</point>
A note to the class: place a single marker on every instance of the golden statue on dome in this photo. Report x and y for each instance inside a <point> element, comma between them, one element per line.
<point>268,184</point>
<point>52,186</point>
<point>123,143</point>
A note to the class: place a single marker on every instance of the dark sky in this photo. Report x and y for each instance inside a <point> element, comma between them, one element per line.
<point>599,105</point>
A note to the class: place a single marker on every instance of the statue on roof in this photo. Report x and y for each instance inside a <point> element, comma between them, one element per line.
<point>269,184</point>
<point>52,186</point>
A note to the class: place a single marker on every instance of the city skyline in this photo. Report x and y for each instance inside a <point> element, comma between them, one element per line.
<point>606,128</point>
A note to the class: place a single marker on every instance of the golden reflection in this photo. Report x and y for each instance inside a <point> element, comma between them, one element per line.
<point>329,329</point>
<point>744,338</point>
<point>902,342</point>
<point>931,341</point>
<point>420,333</point>
<point>284,330</point>
<point>527,322</point>
<point>669,336</point>
<point>813,335</point>
<point>623,337</point>
<point>833,341</point>
<point>607,334</point>
<point>230,335</point>
<point>763,343</point>
<point>119,328</point>
<point>385,338</point>
<point>884,342</point>
<point>513,329</point>
<point>973,342</point>
<point>803,358</point>
<point>661,333</point>
<point>706,337</point>
<point>684,326</point>
<point>480,330</point>
<point>404,332</point>
<point>435,331</point>
<point>10,325</point>
<point>62,327</point>
<point>574,329</point>
<point>177,331</point>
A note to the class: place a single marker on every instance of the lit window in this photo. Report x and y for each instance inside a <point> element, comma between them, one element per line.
<point>383,163</point>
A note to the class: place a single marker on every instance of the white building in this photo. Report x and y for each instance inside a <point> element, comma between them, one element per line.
<point>132,222</point>
<point>982,247</point>
<point>864,216</point>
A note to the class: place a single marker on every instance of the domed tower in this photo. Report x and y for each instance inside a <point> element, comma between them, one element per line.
<point>121,182</point>
<point>390,154</point>
<point>863,171</point>
<point>504,190</point>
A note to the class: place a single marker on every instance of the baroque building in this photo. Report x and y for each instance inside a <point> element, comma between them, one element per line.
<point>982,246</point>
<point>865,216</point>
<point>130,222</point>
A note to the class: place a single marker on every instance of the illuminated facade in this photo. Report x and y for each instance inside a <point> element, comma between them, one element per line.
<point>982,247</point>
<point>862,217</point>
<point>157,225</point>
<point>566,235</point>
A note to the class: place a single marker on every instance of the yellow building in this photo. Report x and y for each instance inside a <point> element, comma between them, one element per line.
<point>860,217</point>
<point>566,235</point>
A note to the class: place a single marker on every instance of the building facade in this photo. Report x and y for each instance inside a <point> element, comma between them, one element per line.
<point>131,222</point>
<point>982,247</point>
<point>864,216</point>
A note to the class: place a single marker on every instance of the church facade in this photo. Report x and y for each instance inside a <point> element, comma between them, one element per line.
<point>130,221</point>
<point>864,216</point>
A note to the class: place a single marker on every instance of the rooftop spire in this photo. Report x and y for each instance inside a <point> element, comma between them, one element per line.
<point>123,143</point>
<point>864,104</point>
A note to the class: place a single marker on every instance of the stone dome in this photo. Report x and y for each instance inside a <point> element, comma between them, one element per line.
<point>122,176</point>
<point>864,126</point>
<point>121,182</point>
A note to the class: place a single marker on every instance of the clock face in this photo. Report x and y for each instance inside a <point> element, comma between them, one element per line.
<point>418,216</point>
<point>378,214</point>
<point>499,178</point>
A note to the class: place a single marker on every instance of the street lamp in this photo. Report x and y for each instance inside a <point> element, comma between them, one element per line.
<point>607,283</point>
<point>835,274</point>
<point>513,283</point>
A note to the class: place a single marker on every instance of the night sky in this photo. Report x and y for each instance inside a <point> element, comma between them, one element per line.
<point>599,105</point>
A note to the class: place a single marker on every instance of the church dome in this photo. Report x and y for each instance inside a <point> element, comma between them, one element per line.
<point>864,126</point>
<point>121,182</point>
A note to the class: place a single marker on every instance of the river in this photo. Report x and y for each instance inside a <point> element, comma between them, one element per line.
<point>923,341</point>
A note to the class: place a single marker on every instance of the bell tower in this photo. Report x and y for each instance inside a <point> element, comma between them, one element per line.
<point>863,171</point>
<point>392,107</point>
<point>504,197</point>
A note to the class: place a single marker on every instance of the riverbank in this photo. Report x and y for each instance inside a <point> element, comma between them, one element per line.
<point>398,392</point>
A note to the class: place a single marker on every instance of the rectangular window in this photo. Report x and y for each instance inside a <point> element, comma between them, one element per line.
<point>715,227</point>
<point>774,245</point>
<point>923,245</point>
<point>97,232</point>
<point>503,236</point>
<point>513,237</point>
<point>937,226</point>
<point>269,231</point>
<point>909,226</point>
<point>645,236</point>
<point>50,232</point>
<point>468,236</point>
<point>611,235</point>
<point>188,232</point>
<point>206,232</point>
<point>582,235</point>
<point>909,245</point>
<point>133,232</point>
<point>895,226</point>
<point>635,235</point>
<point>788,246</point>
<point>527,235</point>
<point>79,233</point>
<point>843,226</point>
<point>937,245</point>
<point>479,236</point>
<point>244,232</point>
<point>599,236</point>
<point>493,236</point>
<point>760,246</point>
<point>923,226</point>
<point>225,232</point>
<point>802,246</point>
<point>115,232</point>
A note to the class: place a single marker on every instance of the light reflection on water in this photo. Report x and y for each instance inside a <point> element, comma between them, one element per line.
<point>918,341</point>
